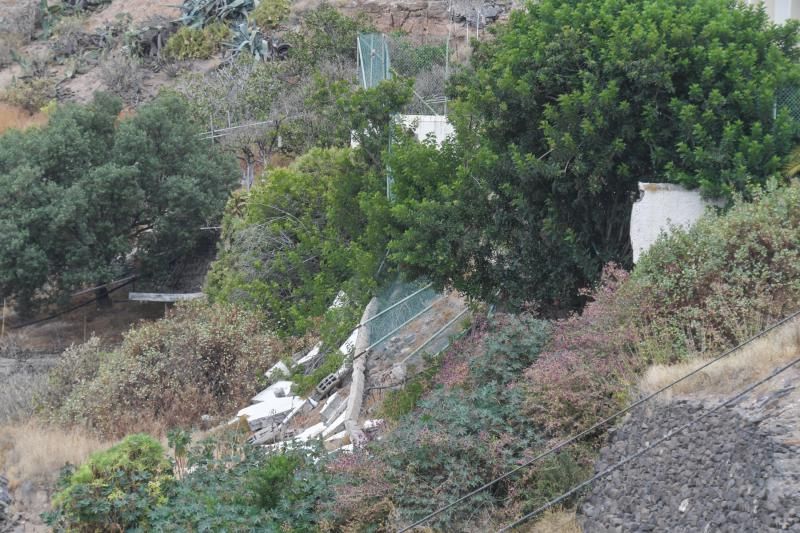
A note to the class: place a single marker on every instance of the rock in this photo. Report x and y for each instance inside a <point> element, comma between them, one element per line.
<point>721,474</point>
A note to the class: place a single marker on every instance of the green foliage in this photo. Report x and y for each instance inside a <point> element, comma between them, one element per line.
<point>268,482</point>
<point>401,402</point>
<point>196,43</point>
<point>731,274</point>
<point>81,193</point>
<point>200,13</point>
<point>468,427</point>
<point>268,14</point>
<point>201,360</point>
<point>304,384</point>
<point>302,240</point>
<point>114,490</point>
<point>326,34</point>
<point>568,108</point>
<point>237,487</point>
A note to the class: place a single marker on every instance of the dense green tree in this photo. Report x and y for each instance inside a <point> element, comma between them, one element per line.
<point>302,239</point>
<point>567,108</point>
<point>305,232</point>
<point>84,192</point>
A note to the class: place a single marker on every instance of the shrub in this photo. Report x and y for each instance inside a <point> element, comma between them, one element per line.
<point>301,240</point>
<point>268,14</point>
<point>712,286</point>
<point>467,429</point>
<point>68,33</point>
<point>583,373</point>
<point>200,360</point>
<point>268,482</point>
<point>17,395</point>
<point>114,490</point>
<point>196,43</point>
<point>31,94</point>
<point>122,74</point>
<point>237,487</point>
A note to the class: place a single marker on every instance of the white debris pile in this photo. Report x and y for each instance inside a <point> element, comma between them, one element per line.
<point>274,411</point>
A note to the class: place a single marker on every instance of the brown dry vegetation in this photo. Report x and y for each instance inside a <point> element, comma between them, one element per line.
<point>32,451</point>
<point>753,362</point>
<point>558,521</point>
<point>12,117</point>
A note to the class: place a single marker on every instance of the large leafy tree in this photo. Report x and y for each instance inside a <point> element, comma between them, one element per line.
<point>80,194</point>
<point>569,107</point>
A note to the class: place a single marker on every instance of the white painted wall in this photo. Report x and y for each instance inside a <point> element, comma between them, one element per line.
<point>779,11</point>
<point>424,125</point>
<point>660,206</point>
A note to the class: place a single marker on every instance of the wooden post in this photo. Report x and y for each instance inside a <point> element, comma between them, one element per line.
<point>3,327</point>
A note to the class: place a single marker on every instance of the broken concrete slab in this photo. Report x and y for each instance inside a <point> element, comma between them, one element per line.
<point>277,369</point>
<point>311,355</point>
<point>336,426</point>
<point>279,389</point>
<point>333,407</point>
<point>274,403</point>
<point>311,432</point>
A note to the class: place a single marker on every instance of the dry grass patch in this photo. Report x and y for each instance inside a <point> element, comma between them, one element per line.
<point>33,451</point>
<point>753,362</point>
<point>557,521</point>
<point>13,117</point>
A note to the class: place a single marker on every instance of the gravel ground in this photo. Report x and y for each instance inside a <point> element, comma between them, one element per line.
<point>737,470</point>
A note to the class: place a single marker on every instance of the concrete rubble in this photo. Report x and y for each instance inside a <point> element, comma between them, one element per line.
<point>334,412</point>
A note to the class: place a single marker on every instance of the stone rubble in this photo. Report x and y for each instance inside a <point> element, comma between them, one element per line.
<point>736,470</point>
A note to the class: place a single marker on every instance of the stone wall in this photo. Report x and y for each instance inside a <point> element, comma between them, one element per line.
<point>730,472</point>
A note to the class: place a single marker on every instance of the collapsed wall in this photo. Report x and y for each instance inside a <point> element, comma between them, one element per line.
<point>736,470</point>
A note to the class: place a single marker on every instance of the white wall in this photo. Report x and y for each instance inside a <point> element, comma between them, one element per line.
<point>424,125</point>
<point>660,206</point>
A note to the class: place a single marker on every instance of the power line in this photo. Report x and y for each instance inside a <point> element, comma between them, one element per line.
<point>73,308</point>
<point>646,449</point>
<point>598,425</point>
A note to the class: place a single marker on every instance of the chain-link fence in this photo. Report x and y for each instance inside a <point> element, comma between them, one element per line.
<point>426,61</point>
<point>788,99</point>
<point>413,320</point>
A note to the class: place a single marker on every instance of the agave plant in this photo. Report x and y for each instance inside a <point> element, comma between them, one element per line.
<point>251,40</point>
<point>200,13</point>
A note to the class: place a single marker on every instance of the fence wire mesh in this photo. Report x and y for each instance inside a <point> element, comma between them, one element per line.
<point>406,311</point>
<point>426,61</point>
<point>788,99</point>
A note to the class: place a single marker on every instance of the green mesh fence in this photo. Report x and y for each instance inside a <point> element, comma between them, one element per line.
<point>427,62</point>
<point>788,99</point>
<point>382,57</point>
<point>373,59</point>
<point>397,316</point>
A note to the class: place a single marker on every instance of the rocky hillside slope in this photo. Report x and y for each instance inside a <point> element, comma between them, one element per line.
<point>738,469</point>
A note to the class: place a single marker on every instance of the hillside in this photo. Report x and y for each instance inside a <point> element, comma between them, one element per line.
<point>79,54</point>
<point>391,274</point>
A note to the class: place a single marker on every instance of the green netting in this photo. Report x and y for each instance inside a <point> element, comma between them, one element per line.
<point>788,99</point>
<point>412,307</point>
<point>373,59</point>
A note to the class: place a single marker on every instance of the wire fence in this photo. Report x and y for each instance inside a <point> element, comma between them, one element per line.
<point>788,99</point>
<point>424,60</point>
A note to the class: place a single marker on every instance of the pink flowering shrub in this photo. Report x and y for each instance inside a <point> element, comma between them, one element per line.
<point>584,372</point>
